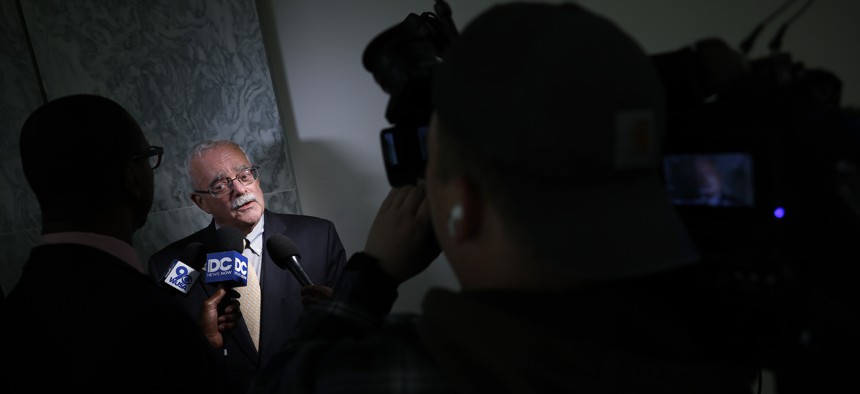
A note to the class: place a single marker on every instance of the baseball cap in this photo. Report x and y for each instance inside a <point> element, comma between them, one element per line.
<point>590,98</point>
<point>565,96</point>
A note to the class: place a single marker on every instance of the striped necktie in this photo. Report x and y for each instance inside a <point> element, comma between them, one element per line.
<point>249,299</point>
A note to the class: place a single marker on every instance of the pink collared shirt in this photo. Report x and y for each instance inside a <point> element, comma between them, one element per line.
<point>111,245</point>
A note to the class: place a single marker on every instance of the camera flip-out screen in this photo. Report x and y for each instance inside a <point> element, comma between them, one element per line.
<point>404,150</point>
<point>722,179</point>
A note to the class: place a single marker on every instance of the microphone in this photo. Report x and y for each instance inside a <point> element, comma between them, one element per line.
<point>286,255</point>
<point>184,271</point>
<point>228,268</point>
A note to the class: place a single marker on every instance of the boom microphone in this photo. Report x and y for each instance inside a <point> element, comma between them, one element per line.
<point>286,255</point>
<point>184,271</point>
<point>228,268</point>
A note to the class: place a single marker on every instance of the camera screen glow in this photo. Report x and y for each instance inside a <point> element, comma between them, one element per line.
<point>710,179</point>
<point>390,148</point>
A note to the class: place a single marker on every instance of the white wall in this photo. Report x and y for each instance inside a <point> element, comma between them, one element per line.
<point>333,110</point>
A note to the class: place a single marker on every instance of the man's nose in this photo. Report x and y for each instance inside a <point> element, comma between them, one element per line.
<point>239,188</point>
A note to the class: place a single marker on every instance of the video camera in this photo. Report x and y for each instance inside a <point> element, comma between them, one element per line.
<point>401,60</point>
<point>761,163</point>
<point>753,151</point>
<point>750,148</point>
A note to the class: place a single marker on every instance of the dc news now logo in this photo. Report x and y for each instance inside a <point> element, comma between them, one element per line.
<point>227,267</point>
<point>180,276</point>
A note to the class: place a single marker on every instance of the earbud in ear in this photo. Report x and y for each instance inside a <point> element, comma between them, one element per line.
<point>453,217</point>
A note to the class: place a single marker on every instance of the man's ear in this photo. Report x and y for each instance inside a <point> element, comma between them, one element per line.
<point>131,180</point>
<point>199,202</point>
<point>464,216</point>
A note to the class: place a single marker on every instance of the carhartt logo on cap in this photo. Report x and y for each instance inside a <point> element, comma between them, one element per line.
<point>635,139</point>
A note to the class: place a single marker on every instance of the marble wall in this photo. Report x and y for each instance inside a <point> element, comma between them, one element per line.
<point>188,70</point>
<point>20,94</point>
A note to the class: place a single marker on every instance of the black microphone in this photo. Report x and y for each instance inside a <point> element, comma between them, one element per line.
<point>184,271</point>
<point>230,239</point>
<point>286,255</point>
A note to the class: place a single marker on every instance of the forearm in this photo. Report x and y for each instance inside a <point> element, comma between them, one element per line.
<point>366,287</point>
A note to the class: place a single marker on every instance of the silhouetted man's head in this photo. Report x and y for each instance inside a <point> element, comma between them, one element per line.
<point>553,117</point>
<point>84,155</point>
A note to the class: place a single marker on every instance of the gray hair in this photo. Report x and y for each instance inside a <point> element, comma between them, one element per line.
<point>201,148</point>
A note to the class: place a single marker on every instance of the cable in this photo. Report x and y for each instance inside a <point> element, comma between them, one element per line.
<point>746,45</point>
<point>32,51</point>
<point>776,42</point>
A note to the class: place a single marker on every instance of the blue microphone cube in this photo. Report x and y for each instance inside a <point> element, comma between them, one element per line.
<point>227,267</point>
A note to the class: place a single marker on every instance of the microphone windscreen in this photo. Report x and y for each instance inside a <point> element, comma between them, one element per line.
<point>193,255</point>
<point>230,239</point>
<point>281,248</point>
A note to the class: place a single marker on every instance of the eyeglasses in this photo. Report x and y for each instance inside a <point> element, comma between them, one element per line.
<point>153,155</point>
<point>225,185</point>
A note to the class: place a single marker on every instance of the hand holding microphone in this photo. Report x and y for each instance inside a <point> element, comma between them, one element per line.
<point>213,323</point>
<point>314,294</point>
<point>285,254</point>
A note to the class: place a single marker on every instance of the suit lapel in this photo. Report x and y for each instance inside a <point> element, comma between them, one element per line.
<point>274,287</point>
<point>269,280</point>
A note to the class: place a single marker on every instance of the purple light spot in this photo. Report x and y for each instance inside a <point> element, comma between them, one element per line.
<point>779,212</point>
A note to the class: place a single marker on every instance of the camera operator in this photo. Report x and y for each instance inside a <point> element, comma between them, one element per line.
<point>542,189</point>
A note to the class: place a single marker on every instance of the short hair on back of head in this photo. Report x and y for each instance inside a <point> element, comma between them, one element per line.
<point>73,143</point>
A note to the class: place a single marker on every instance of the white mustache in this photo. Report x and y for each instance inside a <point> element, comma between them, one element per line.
<point>242,200</point>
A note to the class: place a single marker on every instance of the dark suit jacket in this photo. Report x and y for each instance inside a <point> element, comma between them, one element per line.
<point>81,320</point>
<point>322,257</point>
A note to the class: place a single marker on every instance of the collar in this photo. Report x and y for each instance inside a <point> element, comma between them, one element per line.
<point>107,244</point>
<point>256,236</point>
